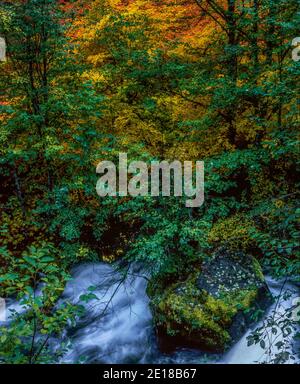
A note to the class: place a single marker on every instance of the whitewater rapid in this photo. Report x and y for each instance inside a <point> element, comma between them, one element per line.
<point>117,325</point>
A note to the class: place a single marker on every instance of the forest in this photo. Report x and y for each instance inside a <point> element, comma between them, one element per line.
<point>139,279</point>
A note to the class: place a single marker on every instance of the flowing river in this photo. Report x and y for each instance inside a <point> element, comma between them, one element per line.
<point>117,326</point>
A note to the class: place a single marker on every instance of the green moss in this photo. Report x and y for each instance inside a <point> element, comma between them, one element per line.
<point>257,270</point>
<point>185,311</point>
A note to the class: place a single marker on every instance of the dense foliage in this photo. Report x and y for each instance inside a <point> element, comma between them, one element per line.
<point>187,80</point>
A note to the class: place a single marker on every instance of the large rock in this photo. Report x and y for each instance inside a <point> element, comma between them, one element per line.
<point>212,308</point>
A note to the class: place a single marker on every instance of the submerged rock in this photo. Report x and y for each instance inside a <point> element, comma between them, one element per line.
<point>213,307</point>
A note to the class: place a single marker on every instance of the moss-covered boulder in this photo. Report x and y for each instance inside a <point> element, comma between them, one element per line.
<point>212,308</point>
